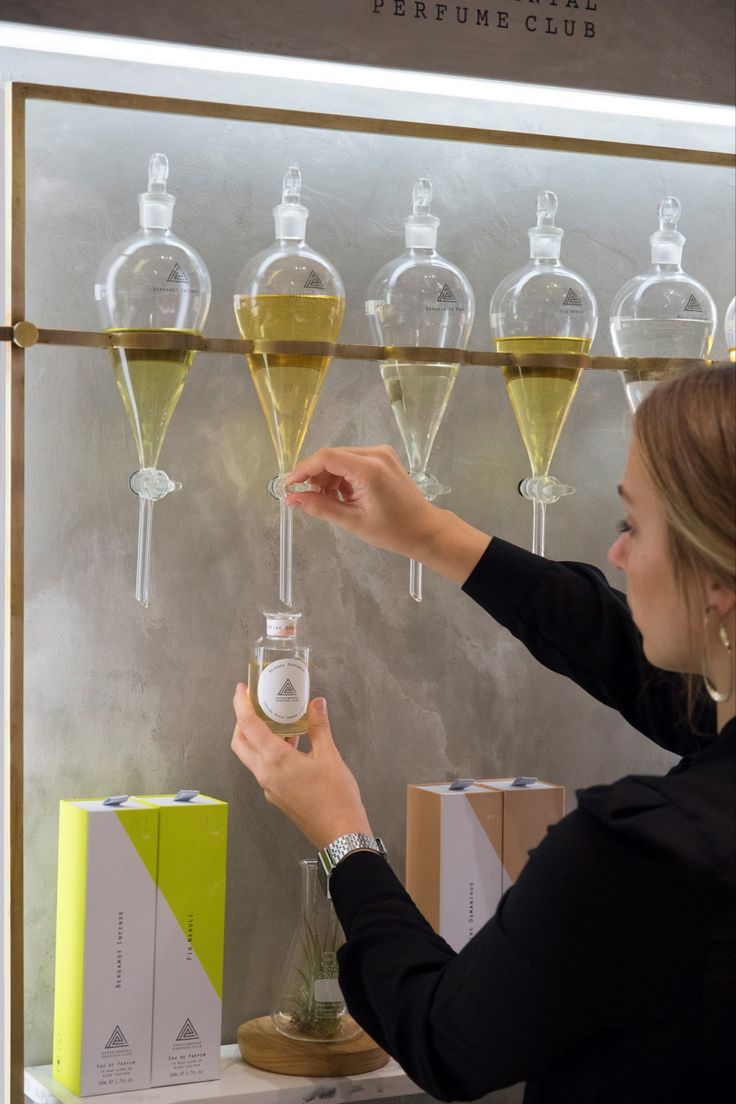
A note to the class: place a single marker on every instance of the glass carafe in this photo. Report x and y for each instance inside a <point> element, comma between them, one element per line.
<point>309,1004</point>
<point>289,292</point>
<point>152,284</point>
<point>420,299</point>
<point>539,312</point>
<point>663,312</point>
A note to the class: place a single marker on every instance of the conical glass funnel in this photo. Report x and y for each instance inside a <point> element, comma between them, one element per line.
<point>729,330</point>
<point>289,293</point>
<point>542,310</point>
<point>152,283</point>
<point>663,312</point>
<point>419,299</point>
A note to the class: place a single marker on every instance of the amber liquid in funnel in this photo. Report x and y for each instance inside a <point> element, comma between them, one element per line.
<point>150,382</point>
<point>288,386</point>
<point>541,397</point>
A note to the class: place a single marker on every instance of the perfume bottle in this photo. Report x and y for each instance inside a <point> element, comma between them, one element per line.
<point>152,283</point>
<point>662,312</point>
<point>278,676</point>
<point>309,1004</point>
<point>543,310</point>
<point>420,299</point>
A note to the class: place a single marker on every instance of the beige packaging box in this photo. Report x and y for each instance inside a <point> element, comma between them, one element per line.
<point>454,841</point>
<point>466,847</point>
<point>528,811</point>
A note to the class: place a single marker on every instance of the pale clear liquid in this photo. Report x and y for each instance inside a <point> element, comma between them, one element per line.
<point>288,386</point>
<point>662,337</point>
<point>541,397</point>
<point>657,337</point>
<point>418,394</point>
<point>150,382</point>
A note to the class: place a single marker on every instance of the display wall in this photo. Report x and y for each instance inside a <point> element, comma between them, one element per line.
<point>123,699</point>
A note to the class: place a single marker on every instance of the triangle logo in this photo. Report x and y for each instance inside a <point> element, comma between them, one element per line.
<point>313,281</point>
<point>177,275</point>
<point>287,690</point>
<point>572,299</point>
<point>188,1033</point>
<point>693,306</point>
<point>446,296</point>
<point>117,1039</point>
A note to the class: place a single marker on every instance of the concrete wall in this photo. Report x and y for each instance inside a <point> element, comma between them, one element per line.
<point>121,699</point>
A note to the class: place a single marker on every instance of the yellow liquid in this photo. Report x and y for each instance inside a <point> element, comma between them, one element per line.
<point>288,386</point>
<point>732,355</point>
<point>541,397</point>
<point>150,382</point>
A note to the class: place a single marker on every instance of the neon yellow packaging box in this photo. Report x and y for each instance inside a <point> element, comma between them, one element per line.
<point>105,925</point>
<point>190,922</point>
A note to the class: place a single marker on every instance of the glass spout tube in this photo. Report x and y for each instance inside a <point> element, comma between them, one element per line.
<point>150,484</point>
<point>539,521</point>
<point>278,488</point>
<point>416,579</point>
<point>143,565</point>
<point>286,554</point>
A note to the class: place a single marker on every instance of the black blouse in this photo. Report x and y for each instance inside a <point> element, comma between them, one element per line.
<point>608,974</point>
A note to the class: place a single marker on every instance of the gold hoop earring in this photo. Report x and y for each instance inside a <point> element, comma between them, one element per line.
<point>713,692</point>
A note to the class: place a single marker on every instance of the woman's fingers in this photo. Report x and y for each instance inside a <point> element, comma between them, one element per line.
<point>346,463</point>
<point>319,731</point>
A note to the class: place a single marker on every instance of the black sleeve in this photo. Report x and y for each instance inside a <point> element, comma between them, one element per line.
<point>544,975</point>
<point>574,623</point>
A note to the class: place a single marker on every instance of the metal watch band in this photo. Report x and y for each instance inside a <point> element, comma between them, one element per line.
<point>335,852</point>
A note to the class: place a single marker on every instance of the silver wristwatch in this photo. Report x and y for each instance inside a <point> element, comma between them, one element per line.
<point>335,852</point>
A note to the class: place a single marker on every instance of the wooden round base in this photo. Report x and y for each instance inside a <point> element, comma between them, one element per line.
<point>263,1046</point>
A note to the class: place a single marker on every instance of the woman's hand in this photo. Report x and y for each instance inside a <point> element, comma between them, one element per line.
<point>367,492</point>
<point>315,790</point>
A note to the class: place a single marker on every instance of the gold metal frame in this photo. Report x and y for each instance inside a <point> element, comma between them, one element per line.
<point>18,334</point>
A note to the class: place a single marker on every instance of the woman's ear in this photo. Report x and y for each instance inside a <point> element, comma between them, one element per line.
<point>719,597</point>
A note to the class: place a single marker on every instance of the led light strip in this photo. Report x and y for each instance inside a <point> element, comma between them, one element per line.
<point>115,48</point>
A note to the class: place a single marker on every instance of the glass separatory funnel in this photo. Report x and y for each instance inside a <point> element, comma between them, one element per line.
<point>542,310</point>
<point>419,299</point>
<point>309,1004</point>
<point>289,293</point>
<point>152,283</point>
<point>663,312</point>
<point>729,330</point>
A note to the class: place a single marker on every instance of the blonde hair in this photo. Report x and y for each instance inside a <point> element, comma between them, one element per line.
<point>685,431</point>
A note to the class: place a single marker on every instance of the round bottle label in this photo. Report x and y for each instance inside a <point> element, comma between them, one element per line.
<point>283,690</point>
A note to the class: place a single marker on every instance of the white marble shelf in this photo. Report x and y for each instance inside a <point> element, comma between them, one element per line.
<point>238,1083</point>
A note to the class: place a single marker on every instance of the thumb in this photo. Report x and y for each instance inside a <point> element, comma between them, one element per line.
<point>320,733</point>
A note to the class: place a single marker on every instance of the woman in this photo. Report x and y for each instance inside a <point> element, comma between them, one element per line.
<point>608,971</point>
